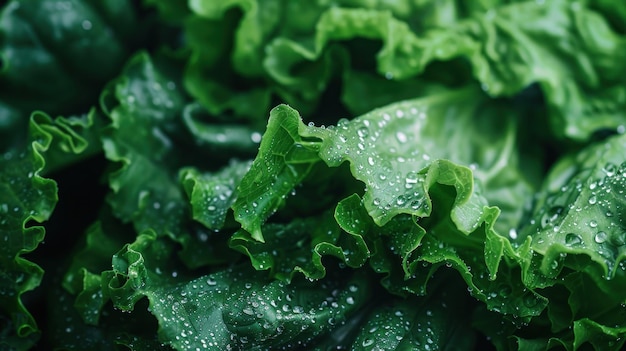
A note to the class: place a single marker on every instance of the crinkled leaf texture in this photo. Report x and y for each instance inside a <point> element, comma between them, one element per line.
<point>509,47</point>
<point>436,322</point>
<point>148,140</point>
<point>233,308</point>
<point>419,212</point>
<point>73,46</point>
<point>212,194</point>
<point>27,199</point>
<point>578,241</point>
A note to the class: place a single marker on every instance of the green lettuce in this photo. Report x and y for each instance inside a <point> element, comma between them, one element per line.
<point>260,175</point>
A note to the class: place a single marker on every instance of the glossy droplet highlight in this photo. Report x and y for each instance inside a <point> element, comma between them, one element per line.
<point>363,132</point>
<point>609,169</point>
<point>572,239</point>
<point>551,216</point>
<point>593,200</point>
<point>411,178</point>
<point>402,138</point>
<point>367,342</point>
<point>600,237</point>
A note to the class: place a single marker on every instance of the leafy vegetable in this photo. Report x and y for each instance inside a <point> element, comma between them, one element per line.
<point>400,175</point>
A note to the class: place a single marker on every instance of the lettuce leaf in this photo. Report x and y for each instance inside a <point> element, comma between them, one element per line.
<point>433,175</point>
<point>225,308</point>
<point>73,46</point>
<point>27,199</point>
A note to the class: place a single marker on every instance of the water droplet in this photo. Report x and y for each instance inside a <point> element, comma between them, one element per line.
<point>86,25</point>
<point>402,138</point>
<point>609,169</point>
<point>415,204</point>
<point>513,233</point>
<point>551,216</point>
<point>367,342</point>
<point>363,132</point>
<point>370,161</point>
<point>593,200</point>
<point>256,137</point>
<point>211,282</point>
<point>554,264</point>
<point>401,200</point>
<point>593,223</point>
<point>350,300</point>
<point>572,239</point>
<point>411,177</point>
<point>600,237</point>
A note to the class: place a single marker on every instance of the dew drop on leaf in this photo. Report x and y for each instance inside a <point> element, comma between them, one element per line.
<point>368,342</point>
<point>363,132</point>
<point>609,169</point>
<point>402,138</point>
<point>600,237</point>
<point>572,239</point>
<point>551,216</point>
<point>593,200</point>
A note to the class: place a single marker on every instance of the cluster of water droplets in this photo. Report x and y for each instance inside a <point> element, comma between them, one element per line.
<point>593,222</point>
<point>228,311</point>
<point>390,327</point>
<point>217,192</point>
<point>178,312</point>
<point>382,149</point>
<point>279,310</point>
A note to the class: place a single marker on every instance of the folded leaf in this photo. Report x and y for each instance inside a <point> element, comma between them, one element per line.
<point>224,309</point>
<point>147,138</point>
<point>300,246</point>
<point>418,324</point>
<point>73,46</point>
<point>26,200</point>
<point>212,194</point>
